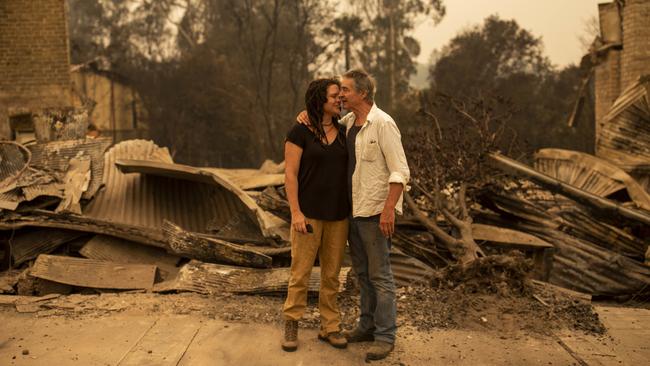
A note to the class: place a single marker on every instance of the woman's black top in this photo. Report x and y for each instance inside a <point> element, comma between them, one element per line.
<point>322,178</point>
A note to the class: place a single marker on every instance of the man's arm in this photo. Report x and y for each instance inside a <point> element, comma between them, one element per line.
<point>387,217</point>
<point>390,142</point>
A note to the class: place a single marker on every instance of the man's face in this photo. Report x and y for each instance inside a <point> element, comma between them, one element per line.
<point>349,95</point>
<point>332,106</point>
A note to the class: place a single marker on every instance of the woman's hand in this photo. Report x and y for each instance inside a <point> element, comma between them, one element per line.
<point>298,222</point>
<point>303,118</point>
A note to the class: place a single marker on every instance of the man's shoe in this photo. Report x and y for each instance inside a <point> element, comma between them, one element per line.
<point>355,335</point>
<point>336,339</point>
<point>290,341</point>
<point>379,350</point>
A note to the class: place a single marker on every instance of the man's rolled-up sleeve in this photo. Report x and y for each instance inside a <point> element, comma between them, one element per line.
<point>391,146</point>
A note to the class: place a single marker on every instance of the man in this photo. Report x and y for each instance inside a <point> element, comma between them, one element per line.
<point>377,175</point>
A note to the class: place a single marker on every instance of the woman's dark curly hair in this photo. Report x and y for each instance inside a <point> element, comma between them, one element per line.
<point>315,97</point>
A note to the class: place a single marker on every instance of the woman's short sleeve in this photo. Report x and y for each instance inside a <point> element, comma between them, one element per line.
<point>298,135</point>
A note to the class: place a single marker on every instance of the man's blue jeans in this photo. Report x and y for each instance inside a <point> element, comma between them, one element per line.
<point>370,252</point>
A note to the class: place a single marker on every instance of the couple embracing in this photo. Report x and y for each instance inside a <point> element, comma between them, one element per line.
<point>344,182</point>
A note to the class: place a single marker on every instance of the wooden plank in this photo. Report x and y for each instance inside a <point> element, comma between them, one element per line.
<point>517,238</point>
<point>93,273</point>
<point>25,300</point>
<point>160,346</point>
<point>112,249</point>
<point>212,250</point>
<point>210,278</point>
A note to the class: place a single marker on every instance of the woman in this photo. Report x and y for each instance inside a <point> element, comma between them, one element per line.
<point>316,185</point>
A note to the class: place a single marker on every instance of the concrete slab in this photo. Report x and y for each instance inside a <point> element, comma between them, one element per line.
<point>167,339</point>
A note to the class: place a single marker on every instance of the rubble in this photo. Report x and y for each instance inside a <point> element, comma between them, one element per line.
<point>210,278</point>
<point>80,218</point>
<point>92,273</point>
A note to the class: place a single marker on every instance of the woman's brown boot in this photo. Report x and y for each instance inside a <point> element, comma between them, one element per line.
<point>290,342</point>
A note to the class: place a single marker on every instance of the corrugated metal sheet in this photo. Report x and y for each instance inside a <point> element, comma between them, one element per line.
<point>578,263</point>
<point>590,174</point>
<point>14,159</point>
<point>145,201</point>
<point>28,244</point>
<point>625,135</point>
<point>193,198</point>
<point>407,270</point>
<point>54,157</point>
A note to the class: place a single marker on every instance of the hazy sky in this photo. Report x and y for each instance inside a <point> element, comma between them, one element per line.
<point>558,22</point>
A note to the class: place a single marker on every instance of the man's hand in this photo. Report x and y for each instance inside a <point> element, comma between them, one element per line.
<point>298,222</point>
<point>387,222</point>
<point>303,118</point>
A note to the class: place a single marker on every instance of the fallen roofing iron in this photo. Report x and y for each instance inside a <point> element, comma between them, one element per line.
<point>14,159</point>
<point>55,158</point>
<point>210,278</point>
<point>624,136</point>
<point>111,249</point>
<point>590,174</point>
<point>578,263</point>
<point>588,199</point>
<point>28,244</point>
<point>232,199</point>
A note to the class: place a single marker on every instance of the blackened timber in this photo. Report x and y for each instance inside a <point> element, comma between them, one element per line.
<point>205,249</point>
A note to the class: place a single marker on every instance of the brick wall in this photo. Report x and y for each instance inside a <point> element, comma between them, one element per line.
<point>635,59</point>
<point>34,57</point>
<point>607,84</point>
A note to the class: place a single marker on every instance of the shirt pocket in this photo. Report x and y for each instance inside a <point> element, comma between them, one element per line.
<point>370,149</point>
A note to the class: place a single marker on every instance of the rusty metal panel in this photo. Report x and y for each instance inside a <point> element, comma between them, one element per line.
<point>54,157</point>
<point>14,159</point>
<point>407,270</point>
<point>236,206</point>
<point>140,200</point>
<point>590,174</point>
<point>625,136</point>
<point>29,243</point>
<point>195,199</point>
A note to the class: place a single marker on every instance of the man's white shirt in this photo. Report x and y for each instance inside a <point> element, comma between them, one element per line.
<point>380,160</point>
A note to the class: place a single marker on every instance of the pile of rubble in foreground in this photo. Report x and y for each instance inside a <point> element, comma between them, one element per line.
<point>75,215</point>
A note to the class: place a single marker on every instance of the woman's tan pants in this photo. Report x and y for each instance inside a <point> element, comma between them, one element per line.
<point>328,241</point>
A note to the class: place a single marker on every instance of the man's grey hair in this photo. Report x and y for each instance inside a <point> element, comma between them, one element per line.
<point>363,82</point>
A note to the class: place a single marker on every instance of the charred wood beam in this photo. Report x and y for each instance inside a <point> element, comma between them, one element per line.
<point>205,249</point>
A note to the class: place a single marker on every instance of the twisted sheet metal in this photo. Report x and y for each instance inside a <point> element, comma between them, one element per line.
<point>625,133</point>
<point>14,159</point>
<point>407,270</point>
<point>54,157</point>
<point>145,201</point>
<point>578,263</point>
<point>153,189</point>
<point>590,174</point>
